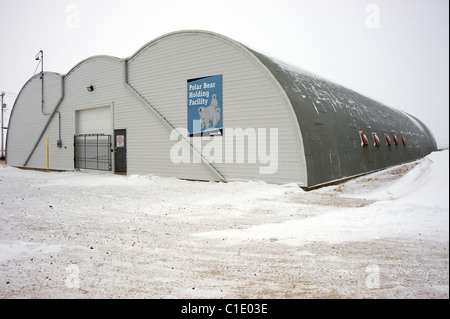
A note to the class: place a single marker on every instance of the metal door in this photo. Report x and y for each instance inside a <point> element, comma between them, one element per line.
<point>120,151</point>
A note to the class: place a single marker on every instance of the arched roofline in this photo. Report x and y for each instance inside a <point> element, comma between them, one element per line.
<point>32,78</point>
<point>89,59</point>
<point>27,83</point>
<point>76,66</point>
<point>154,41</point>
<point>19,95</point>
<point>244,49</point>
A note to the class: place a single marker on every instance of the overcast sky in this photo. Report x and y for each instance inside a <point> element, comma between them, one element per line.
<point>394,51</point>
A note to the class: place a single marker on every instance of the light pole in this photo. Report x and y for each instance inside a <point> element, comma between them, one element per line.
<point>40,57</point>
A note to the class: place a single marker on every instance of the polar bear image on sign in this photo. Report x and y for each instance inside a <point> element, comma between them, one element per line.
<point>210,114</point>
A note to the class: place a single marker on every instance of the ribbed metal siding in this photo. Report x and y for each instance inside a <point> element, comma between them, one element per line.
<point>331,117</point>
<point>251,99</point>
<point>158,72</point>
<point>27,120</point>
<point>105,75</point>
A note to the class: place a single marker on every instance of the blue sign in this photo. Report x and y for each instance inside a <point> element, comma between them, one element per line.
<point>204,106</point>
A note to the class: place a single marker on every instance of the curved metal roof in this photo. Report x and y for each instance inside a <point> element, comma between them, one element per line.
<point>90,59</point>
<point>331,118</point>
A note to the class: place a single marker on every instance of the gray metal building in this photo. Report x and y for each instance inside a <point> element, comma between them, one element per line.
<point>197,105</point>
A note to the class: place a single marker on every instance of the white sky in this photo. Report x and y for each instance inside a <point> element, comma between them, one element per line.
<point>394,51</point>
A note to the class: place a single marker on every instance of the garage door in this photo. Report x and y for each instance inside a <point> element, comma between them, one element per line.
<point>94,121</point>
<point>92,141</point>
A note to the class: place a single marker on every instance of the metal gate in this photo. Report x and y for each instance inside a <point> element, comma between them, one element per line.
<point>92,151</point>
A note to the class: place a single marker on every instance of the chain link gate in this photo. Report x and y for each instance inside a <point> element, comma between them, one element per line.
<point>92,151</point>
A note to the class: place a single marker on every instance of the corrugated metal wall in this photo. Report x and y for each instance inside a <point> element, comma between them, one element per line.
<point>318,123</point>
<point>331,118</point>
<point>28,119</point>
<point>105,74</point>
<point>159,73</point>
<point>251,99</point>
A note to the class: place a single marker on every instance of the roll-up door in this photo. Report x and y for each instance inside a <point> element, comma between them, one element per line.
<point>94,121</point>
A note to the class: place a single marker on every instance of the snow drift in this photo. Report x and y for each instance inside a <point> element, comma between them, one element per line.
<point>97,235</point>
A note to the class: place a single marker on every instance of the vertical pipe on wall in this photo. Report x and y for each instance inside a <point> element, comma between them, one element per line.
<point>40,57</point>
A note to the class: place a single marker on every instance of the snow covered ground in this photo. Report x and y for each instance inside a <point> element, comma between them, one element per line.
<point>97,235</point>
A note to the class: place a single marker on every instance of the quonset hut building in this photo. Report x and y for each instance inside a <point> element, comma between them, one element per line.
<point>198,105</point>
